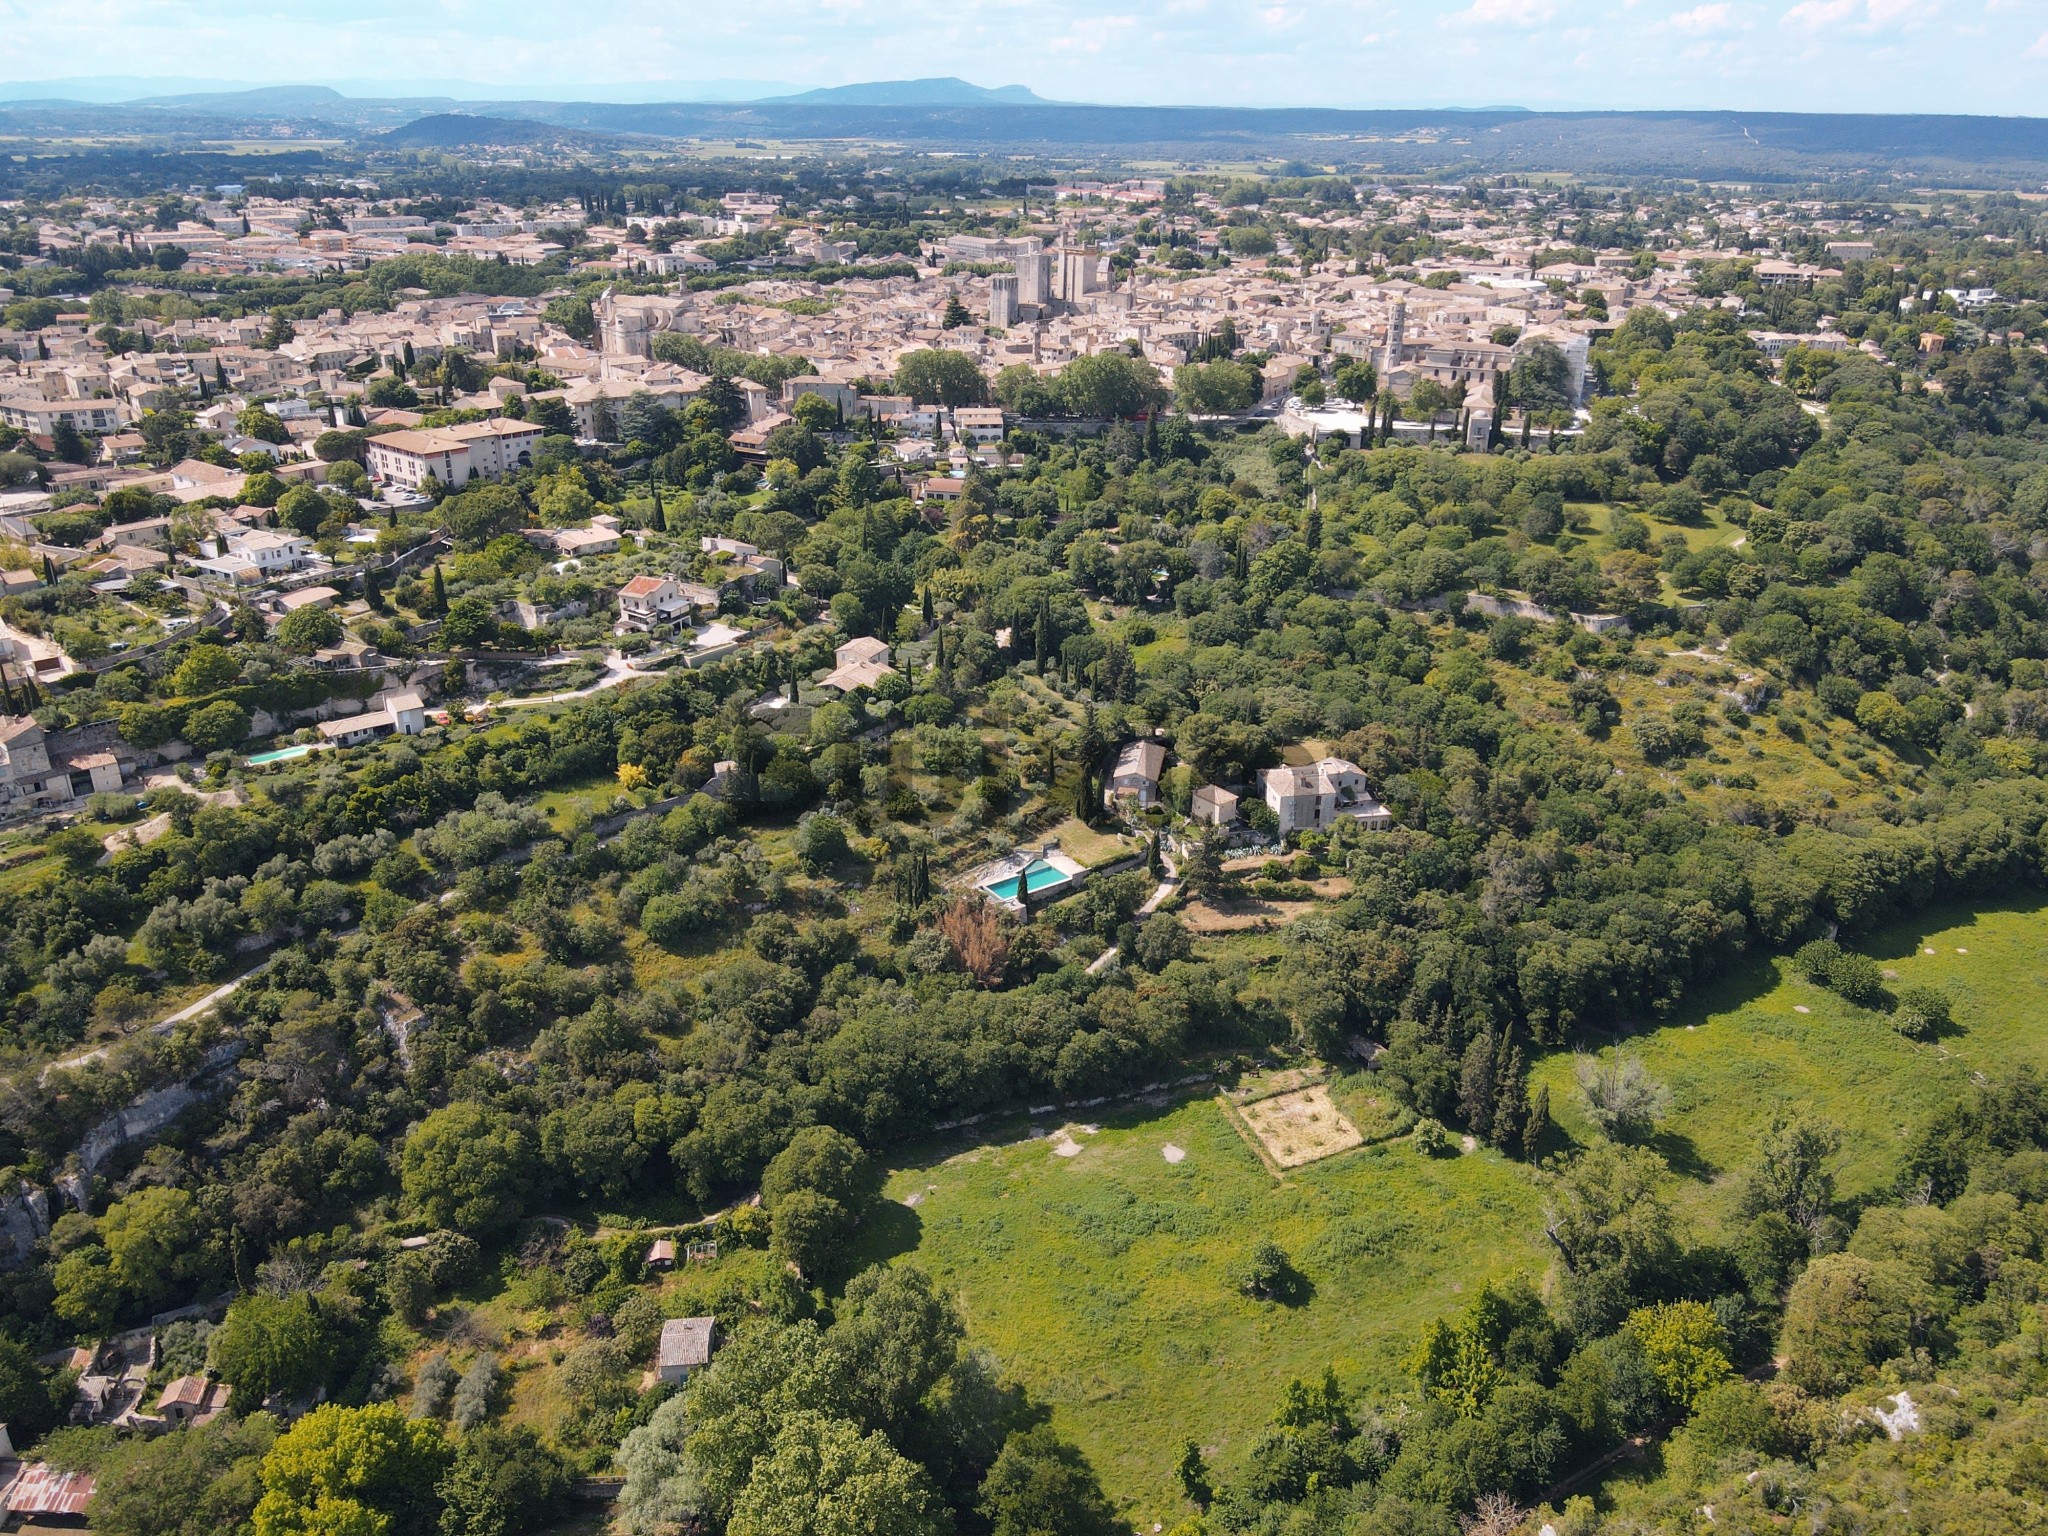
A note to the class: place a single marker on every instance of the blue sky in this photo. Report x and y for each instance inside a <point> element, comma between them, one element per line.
<point>1812,55</point>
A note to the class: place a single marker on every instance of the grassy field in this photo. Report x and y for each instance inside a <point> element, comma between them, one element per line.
<point>1745,1050</point>
<point>1102,1279</point>
<point>1088,845</point>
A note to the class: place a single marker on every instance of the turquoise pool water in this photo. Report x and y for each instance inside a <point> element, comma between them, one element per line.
<point>281,755</point>
<point>1036,878</point>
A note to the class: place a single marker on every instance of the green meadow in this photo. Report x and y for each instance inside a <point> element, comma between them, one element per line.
<point>1103,1279</point>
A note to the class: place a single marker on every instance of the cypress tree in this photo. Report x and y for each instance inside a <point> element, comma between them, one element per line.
<point>1537,1122</point>
<point>440,591</point>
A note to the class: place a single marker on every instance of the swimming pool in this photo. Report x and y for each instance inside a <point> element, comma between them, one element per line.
<point>281,755</point>
<point>1037,877</point>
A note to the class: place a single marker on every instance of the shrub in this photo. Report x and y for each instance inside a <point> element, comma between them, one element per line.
<point>476,1395</point>
<point>1620,1095</point>
<point>1923,1012</point>
<point>432,1388</point>
<point>1814,960</point>
<point>1265,1275</point>
<point>1431,1138</point>
<point>1856,979</point>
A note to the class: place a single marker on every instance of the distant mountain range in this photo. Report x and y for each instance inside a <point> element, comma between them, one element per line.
<point>138,90</point>
<point>943,91</point>
<point>1013,120</point>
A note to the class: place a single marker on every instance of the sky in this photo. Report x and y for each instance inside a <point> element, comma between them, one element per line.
<point>1981,56</point>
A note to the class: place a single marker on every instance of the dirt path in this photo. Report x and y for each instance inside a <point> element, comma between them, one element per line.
<point>169,1022</point>
<point>1161,894</point>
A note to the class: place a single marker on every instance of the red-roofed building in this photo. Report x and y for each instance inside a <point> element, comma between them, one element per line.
<point>647,602</point>
<point>46,1496</point>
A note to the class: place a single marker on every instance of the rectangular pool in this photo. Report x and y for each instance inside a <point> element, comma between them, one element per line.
<point>1037,877</point>
<point>281,755</point>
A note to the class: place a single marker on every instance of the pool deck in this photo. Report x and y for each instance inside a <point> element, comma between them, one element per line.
<point>1012,865</point>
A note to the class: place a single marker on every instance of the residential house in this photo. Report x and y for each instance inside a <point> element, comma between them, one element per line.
<point>1213,805</point>
<point>940,490</point>
<point>860,663</point>
<point>192,1400</point>
<point>1135,778</point>
<point>403,714</point>
<point>1316,796</point>
<point>94,773</point>
<point>648,602</point>
<point>195,479</point>
<point>27,776</point>
<point>834,392</point>
<point>576,543</point>
<point>288,603</point>
<point>254,555</point>
<point>685,1347</point>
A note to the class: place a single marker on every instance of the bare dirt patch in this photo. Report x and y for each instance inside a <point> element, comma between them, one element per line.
<point>1243,916</point>
<point>1300,1127</point>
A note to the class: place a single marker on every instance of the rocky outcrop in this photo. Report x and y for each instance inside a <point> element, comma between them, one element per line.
<point>24,1222</point>
<point>147,1116</point>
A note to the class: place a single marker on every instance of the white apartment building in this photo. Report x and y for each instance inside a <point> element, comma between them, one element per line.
<point>27,413</point>
<point>475,450</point>
<point>978,424</point>
<point>989,247</point>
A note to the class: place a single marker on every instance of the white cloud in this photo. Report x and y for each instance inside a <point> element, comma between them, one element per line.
<point>2040,48</point>
<point>1813,15</point>
<point>1504,13</point>
<point>1864,16</point>
<point>1091,34</point>
<point>1704,20</point>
